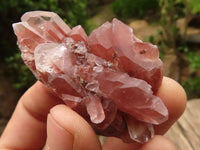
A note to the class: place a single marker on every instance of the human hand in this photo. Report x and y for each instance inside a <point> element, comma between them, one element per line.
<point>41,120</point>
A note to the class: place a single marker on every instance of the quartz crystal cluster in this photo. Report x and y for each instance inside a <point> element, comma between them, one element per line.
<point>109,77</point>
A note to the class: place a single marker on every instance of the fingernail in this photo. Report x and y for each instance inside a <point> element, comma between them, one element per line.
<point>58,138</point>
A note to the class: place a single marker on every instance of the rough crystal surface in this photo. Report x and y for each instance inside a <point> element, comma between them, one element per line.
<point>110,77</point>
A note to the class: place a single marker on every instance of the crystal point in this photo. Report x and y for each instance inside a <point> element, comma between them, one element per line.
<point>109,77</point>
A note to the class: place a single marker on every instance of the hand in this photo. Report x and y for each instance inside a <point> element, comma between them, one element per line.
<point>41,120</point>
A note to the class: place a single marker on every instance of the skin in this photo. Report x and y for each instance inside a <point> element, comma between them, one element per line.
<point>42,120</point>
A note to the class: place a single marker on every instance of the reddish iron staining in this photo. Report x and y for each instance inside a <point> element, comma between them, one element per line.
<point>109,77</point>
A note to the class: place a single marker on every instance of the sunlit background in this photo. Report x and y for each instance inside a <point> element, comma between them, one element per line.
<point>173,25</point>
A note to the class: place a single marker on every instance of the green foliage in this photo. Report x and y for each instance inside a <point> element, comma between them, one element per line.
<point>192,84</point>
<point>74,12</point>
<point>19,72</point>
<point>192,87</point>
<point>194,60</point>
<point>194,6</point>
<point>171,10</point>
<point>133,8</point>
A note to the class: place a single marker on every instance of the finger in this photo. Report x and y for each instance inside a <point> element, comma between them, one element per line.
<point>113,143</point>
<point>67,130</point>
<point>174,97</point>
<point>57,136</point>
<point>27,126</point>
<point>159,143</point>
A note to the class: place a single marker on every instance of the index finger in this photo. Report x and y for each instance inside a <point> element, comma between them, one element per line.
<point>27,126</point>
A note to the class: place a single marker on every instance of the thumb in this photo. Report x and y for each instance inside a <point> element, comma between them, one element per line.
<point>67,130</point>
<point>57,136</point>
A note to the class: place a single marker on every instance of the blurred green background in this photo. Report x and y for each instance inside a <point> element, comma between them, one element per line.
<point>173,25</point>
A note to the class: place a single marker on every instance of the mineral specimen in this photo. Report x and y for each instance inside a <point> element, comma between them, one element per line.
<point>110,78</point>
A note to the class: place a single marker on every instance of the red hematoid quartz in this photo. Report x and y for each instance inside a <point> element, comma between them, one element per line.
<point>110,78</point>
